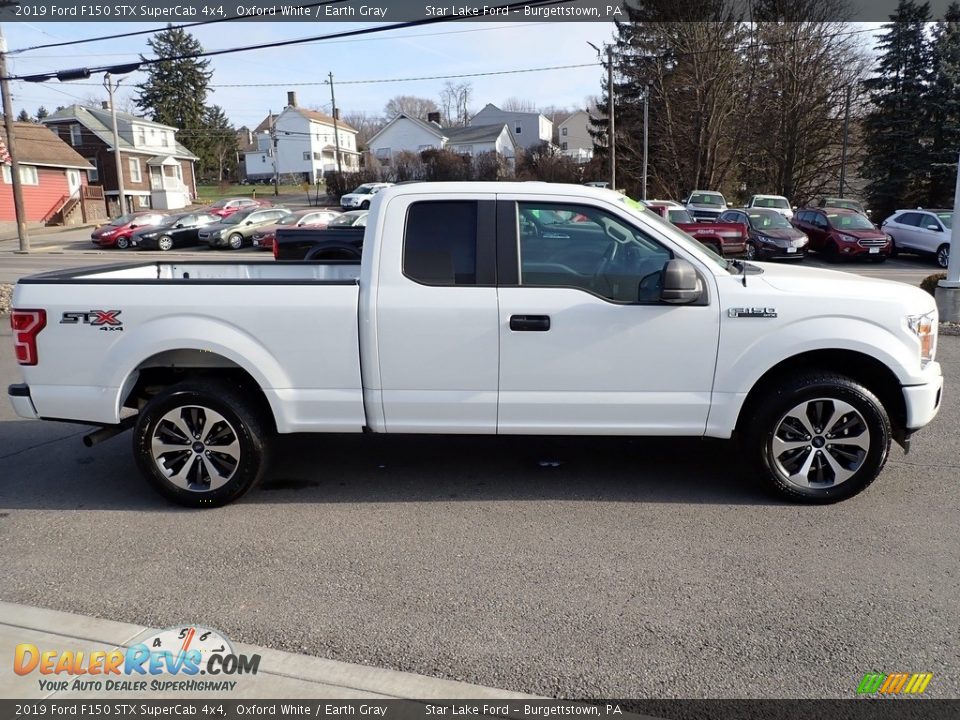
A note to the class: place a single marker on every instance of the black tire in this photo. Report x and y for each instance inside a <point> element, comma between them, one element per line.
<point>240,426</point>
<point>943,255</point>
<point>751,252</point>
<point>365,205</point>
<point>165,243</point>
<point>894,250</point>
<point>123,243</point>
<point>878,259</point>
<point>235,241</point>
<point>831,252</point>
<point>818,392</point>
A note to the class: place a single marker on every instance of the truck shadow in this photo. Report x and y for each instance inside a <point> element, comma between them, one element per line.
<point>53,470</point>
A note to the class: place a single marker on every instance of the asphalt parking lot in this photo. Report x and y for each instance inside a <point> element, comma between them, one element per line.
<point>569,568</point>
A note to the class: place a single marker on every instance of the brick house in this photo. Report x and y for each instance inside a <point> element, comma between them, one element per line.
<point>53,177</point>
<point>158,172</point>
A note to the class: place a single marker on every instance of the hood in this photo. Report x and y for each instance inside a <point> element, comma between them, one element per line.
<point>837,284</point>
<point>783,234</point>
<point>705,206</point>
<point>864,234</point>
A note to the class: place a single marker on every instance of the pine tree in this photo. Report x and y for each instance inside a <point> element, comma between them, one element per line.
<point>175,91</point>
<point>218,148</point>
<point>24,116</point>
<point>42,112</point>
<point>896,162</point>
<point>943,108</point>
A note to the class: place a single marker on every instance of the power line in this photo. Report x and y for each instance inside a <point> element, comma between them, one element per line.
<point>150,32</point>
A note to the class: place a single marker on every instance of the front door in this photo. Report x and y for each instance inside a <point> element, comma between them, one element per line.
<point>586,345</point>
<point>73,182</point>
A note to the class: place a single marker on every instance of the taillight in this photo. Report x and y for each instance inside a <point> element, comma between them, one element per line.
<point>26,325</point>
<point>276,248</point>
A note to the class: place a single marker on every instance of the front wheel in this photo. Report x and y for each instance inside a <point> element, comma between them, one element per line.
<point>123,243</point>
<point>751,253</point>
<point>818,438</point>
<point>365,205</point>
<point>943,255</point>
<point>165,243</point>
<point>235,241</point>
<point>200,443</point>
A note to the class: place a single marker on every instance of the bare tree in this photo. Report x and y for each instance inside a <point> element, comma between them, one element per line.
<point>516,104</point>
<point>365,124</point>
<point>455,103</point>
<point>418,107</point>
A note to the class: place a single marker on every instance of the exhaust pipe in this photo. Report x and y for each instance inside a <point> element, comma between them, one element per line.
<point>106,432</point>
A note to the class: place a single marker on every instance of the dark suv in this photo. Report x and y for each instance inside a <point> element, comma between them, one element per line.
<point>838,233</point>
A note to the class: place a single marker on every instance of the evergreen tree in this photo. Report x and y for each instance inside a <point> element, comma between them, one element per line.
<point>42,112</point>
<point>943,108</point>
<point>24,116</point>
<point>175,91</point>
<point>896,163</point>
<point>218,148</point>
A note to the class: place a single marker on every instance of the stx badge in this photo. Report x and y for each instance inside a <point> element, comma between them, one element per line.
<point>757,312</point>
<point>102,319</point>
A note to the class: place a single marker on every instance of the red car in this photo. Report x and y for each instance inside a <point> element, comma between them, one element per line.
<point>228,206</point>
<point>839,233</point>
<point>264,237</point>
<point>723,238</point>
<point>117,233</point>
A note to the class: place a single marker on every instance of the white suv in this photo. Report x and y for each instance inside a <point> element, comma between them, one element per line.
<point>706,205</point>
<point>772,202</point>
<point>360,198</point>
<point>923,231</point>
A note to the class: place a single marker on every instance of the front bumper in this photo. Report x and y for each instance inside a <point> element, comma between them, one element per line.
<point>213,241</point>
<point>770,252</point>
<point>19,395</point>
<point>923,401</point>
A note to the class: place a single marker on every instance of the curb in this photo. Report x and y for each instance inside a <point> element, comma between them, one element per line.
<point>281,674</point>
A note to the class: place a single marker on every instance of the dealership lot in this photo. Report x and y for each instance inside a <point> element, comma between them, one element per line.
<point>575,568</point>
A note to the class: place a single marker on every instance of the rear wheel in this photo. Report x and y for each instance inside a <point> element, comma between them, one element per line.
<point>235,241</point>
<point>943,255</point>
<point>200,443</point>
<point>123,243</point>
<point>818,438</point>
<point>165,243</point>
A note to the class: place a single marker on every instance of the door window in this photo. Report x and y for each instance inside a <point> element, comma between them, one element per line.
<point>910,219</point>
<point>584,247</point>
<point>819,221</point>
<point>440,243</point>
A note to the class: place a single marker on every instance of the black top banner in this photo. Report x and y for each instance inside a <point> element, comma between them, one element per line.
<point>392,11</point>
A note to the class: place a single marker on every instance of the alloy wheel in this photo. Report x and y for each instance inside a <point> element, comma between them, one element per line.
<point>195,448</point>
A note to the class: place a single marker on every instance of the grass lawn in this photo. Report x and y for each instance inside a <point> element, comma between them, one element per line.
<point>207,194</point>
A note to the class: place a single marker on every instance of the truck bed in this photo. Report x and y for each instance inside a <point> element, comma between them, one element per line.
<point>217,272</point>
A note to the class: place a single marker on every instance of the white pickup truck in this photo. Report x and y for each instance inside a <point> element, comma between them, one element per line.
<point>497,308</point>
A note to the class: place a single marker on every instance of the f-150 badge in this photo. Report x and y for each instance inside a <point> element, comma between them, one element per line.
<point>757,312</point>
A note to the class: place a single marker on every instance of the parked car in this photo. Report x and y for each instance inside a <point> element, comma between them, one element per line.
<point>770,235</point>
<point>771,202</point>
<point>462,318</point>
<point>844,203</point>
<point>726,239</point>
<point>229,206</point>
<point>264,237</point>
<point>705,205</point>
<point>176,231</point>
<point>838,233</point>
<point>319,243</point>
<point>351,218</point>
<point>361,196</point>
<point>921,231</point>
<point>117,232</point>
<point>235,231</point>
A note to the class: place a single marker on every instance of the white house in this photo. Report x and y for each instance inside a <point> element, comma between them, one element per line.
<point>409,134</point>
<point>574,137</point>
<point>529,129</point>
<point>302,142</point>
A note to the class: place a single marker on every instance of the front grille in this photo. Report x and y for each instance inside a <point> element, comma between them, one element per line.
<point>871,242</point>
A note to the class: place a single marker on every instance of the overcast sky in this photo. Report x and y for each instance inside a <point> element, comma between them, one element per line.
<point>444,49</point>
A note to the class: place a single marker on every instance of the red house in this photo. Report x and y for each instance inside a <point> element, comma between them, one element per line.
<point>54,180</point>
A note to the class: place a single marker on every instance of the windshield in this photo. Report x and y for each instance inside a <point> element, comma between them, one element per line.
<point>946,219</point>
<point>680,216</point>
<point>123,219</point>
<point>849,222</point>
<point>219,204</point>
<point>769,220</point>
<point>363,190</point>
<point>289,219</point>
<point>771,202</point>
<point>707,199</point>
<point>845,204</point>
<point>344,220</point>
<point>674,232</point>
<point>236,218</point>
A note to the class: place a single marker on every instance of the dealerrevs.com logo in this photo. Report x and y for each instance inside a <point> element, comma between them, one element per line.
<point>171,660</point>
<point>894,683</point>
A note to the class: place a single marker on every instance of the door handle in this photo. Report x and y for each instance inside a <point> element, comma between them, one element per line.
<point>530,323</point>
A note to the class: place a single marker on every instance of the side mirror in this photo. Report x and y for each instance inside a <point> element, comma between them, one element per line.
<point>934,227</point>
<point>178,225</point>
<point>134,226</point>
<point>681,284</point>
<point>249,222</point>
<point>869,213</point>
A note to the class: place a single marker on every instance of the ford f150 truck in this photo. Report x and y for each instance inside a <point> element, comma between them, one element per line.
<point>483,308</point>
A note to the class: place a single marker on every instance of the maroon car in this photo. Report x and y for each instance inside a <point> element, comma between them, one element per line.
<point>264,237</point>
<point>840,233</point>
<point>724,239</point>
<point>228,206</point>
<point>117,233</point>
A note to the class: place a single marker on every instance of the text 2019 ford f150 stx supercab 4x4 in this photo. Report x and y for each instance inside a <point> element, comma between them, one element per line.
<point>499,308</point>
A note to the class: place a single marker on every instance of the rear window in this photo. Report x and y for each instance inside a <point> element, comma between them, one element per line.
<point>680,216</point>
<point>440,243</point>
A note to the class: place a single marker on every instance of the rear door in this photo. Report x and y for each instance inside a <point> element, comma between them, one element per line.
<point>906,230</point>
<point>586,345</point>
<point>930,233</point>
<point>436,316</point>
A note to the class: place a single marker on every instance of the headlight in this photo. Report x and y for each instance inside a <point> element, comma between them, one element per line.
<point>848,238</point>
<point>925,328</point>
<point>765,239</point>
<point>801,241</point>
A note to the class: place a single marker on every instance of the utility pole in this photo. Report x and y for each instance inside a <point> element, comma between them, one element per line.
<point>273,139</point>
<point>612,128</point>
<point>12,150</point>
<point>948,290</point>
<point>336,131</point>
<point>846,130</point>
<point>111,86</point>
<point>646,136</point>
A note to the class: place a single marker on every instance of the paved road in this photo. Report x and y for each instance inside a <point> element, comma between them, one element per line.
<point>598,568</point>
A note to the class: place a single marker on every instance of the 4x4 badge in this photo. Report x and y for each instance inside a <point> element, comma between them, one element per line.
<point>756,312</point>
